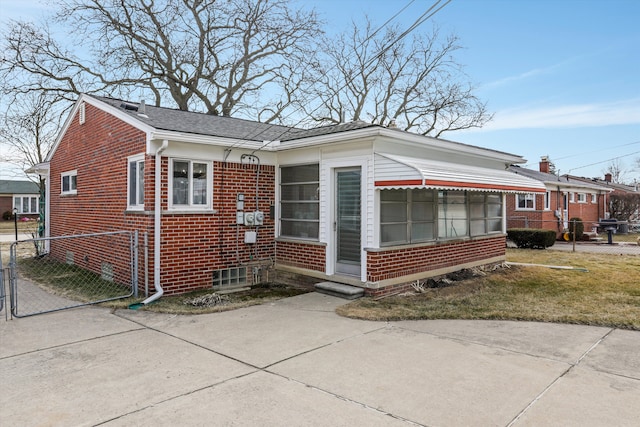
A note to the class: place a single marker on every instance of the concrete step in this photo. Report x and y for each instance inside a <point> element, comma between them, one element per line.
<point>339,290</point>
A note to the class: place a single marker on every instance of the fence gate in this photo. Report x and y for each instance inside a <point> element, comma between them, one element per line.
<point>56,273</point>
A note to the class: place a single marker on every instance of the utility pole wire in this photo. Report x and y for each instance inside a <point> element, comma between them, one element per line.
<point>240,142</point>
<point>605,161</point>
<point>426,15</point>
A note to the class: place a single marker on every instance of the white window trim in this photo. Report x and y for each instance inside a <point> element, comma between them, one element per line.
<point>572,197</point>
<point>518,208</point>
<point>30,196</point>
<point>547,201</point>
<point>582,197</point>
<point>191,207</point>
<point>594,198</point>
<point>137,159</point>
<point>69,174</point>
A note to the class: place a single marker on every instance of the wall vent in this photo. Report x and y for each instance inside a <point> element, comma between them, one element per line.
<point>81,114</point>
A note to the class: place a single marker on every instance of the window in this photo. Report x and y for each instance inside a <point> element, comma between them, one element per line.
<point>299,201</point>
<point>547,200</point>
<point>69,182</point>
<point>406,216</point>
<point>526,201</point>
<point>485,210</point>
<point>572,197</point>
<point>419,215</point>
<point>594,198</point>
<point>26,204</point>
<point>452,214</point>
<point>582,198</point>
<point>135,189</point>
<point>190,184</point>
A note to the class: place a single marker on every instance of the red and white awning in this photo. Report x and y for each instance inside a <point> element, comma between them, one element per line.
<point>392,171</point>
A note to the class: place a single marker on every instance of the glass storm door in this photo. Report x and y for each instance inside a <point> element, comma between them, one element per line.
<point>347,224</point>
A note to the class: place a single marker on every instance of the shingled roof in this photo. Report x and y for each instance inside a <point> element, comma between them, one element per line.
<point>549,178</point>
<point>220,126</point>
<point>18,187</point>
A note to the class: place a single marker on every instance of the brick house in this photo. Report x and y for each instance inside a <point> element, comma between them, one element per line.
<point>616,189</point>
<point>565,198</point>
<point>24,196</point>
<point>228,202</point>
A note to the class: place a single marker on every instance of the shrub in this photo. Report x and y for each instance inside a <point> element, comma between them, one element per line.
<point>579,228</point>
<point>7,215</point>
<point>535,238</point>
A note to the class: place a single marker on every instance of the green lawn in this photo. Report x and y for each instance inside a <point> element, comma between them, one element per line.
<point>608,294</point>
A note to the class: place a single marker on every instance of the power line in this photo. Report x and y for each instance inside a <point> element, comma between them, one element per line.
<point>421,19</point>
<point>597,151</point>
<point>240,142</point>
<point>604,161</point>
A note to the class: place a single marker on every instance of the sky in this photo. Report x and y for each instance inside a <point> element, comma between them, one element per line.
<point>562,77</point>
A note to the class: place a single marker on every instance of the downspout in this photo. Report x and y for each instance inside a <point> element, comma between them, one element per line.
<point>156,225</point>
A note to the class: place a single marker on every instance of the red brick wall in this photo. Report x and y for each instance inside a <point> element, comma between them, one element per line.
<point>539,218</point>
<point>98,150</point>
<point>302,255</point>
<point>192,245</point>
<point>382,265</point>
<point>195,245</point>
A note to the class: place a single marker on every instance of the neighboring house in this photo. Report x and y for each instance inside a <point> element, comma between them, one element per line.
<point>226,200</point>
<point>565,198</point>
<point>24,196</point>
<point>617,189</point>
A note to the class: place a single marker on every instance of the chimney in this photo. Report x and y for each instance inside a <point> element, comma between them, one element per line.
<point>392,124</point>
<point>544,164</point>
<point>607,177</point>
<point>142,107</point>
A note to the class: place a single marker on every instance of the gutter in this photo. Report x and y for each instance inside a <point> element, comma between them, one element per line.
<point>156,225</point>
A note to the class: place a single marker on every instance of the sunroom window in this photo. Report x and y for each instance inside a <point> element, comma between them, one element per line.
<point>410,216</point>
<point>452,214</point>
<point>299,201</point>
<point>486,213</point>
<point>406,216</point>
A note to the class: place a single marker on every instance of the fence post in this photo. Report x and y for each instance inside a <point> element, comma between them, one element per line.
<point>574,235</point>
<point>135,264</point>
<point>146,264</point>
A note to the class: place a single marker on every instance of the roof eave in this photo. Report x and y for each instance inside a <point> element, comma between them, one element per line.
<point>403,137</point>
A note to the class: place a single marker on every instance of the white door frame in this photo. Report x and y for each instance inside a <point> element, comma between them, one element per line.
<point>327,180</point>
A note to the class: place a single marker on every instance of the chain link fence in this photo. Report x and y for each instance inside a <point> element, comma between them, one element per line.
<point>614,239</point>
<point>57,273</point>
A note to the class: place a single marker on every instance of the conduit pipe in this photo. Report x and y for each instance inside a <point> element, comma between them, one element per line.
<point>156,225</point>
<point>555,267</point>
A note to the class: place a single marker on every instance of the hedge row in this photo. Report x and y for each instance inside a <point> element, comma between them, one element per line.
<point>534,238</point>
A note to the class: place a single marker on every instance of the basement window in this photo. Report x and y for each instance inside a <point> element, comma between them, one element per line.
<point>230,277</point>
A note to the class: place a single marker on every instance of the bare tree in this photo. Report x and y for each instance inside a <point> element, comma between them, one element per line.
<point>222,57</point>
<point>384,79</point>
<point>624,207</point>
<point>28,128</point>
<point>618,171</point>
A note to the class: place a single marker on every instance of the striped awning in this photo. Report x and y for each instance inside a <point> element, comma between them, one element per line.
<point>392,171</point>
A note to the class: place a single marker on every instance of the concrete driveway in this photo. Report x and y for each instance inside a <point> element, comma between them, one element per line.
<point>295,362</point>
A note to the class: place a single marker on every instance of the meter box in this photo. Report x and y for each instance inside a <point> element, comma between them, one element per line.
<point>249,219</point>
<point>258,218</point>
